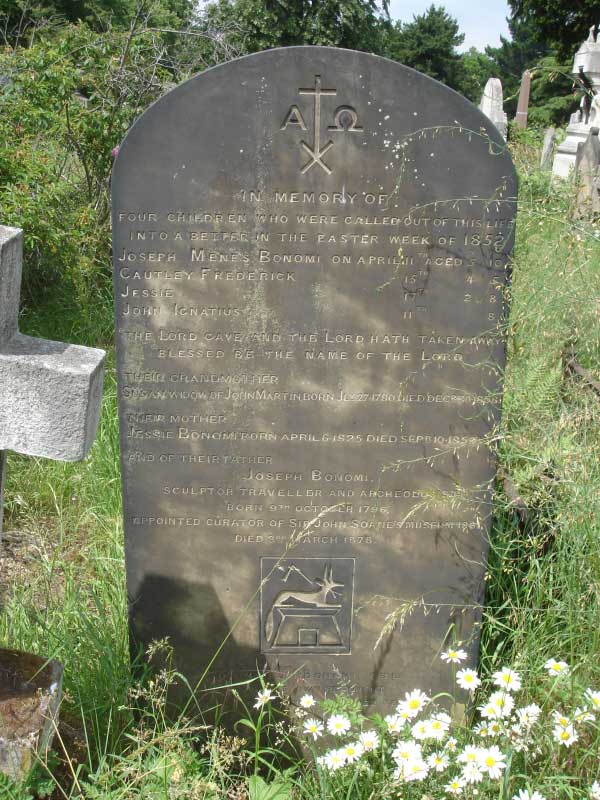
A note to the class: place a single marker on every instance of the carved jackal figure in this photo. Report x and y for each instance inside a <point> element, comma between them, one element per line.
<point>314,599</point>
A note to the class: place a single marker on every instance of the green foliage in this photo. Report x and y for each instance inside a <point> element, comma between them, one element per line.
<point>477,68</point>
<point>552,96</point>
<point>523,50</point>
<point>565,25</point>
<point>21,17</point>
<point>254,25</point>
<point>428,44</point>
<point>259,789</point>
<point>67,102</point>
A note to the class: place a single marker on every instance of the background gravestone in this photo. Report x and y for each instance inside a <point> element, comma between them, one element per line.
<point>492,105</point>
<point>310,251</point>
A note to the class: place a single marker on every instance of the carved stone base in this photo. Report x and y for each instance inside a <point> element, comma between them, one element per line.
<point>30,691</point>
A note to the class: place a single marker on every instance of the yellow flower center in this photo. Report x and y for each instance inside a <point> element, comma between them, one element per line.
<point>490,761</point>
<point>414,704</point>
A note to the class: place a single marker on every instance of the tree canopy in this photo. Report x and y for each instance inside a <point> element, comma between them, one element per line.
<point>562,24</point>
<point>259,24</point>
<point>428,44</point>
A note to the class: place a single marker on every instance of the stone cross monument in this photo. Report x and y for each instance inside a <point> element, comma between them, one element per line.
<point>586,68</point>
<point>50,392</point>
<point>50,396</point>
<point>492,105</point>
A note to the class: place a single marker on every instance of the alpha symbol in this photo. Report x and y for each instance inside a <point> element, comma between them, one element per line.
<point>345,121</point>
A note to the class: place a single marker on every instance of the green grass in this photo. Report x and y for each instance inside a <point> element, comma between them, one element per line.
<point>543,596</point>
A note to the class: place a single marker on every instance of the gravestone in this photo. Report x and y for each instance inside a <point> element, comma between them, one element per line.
<point>586,69</point>
<point>310,252</point>
<point>492,105</point>
<point>548,149</point>
<point>50,396</point>
<point>587,168</point>
<point>523,101</point>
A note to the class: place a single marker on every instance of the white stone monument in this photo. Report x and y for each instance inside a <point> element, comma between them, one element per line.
<point>587,60</point>
<point>492,105</point>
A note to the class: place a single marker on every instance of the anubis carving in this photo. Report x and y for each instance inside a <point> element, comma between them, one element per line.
<point>290,598</point>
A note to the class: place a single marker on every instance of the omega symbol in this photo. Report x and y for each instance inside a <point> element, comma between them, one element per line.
<point>345,120</point>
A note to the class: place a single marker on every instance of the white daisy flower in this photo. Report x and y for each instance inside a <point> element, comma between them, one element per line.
<point>451,744</point>
<point>472,773</point>
<point>560,719</point>
<point>439,725</point>
<point>470,755</point>
<point>369,740</point>
<point>593,698</point>
<point>334,759</point>
<point>455,786</point>
<point>583,715</point>
<point>413,703</point>
<point>554,667</point>
<point>502,702</point>
<point>488,710</point>
<point>314,728</point>
<point>491,761</point>
<point>507,679</point>
<point>438,761</point>
<point>525,794</point>
<point>307,701</point>
<point>454,656</point>
<point>353,751</point>
<point>468,679</point>
<point>406,751</point>
<point>394,723</point>
<point>565,735</point>
<point>263,697</point>
<point>421,730</point>
<point>528,715</point>
<point>594,790</point>
<point>415,770</point>
<point>338,724</point>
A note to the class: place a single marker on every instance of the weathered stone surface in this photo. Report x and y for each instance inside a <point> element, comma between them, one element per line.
<point>30,692</point>
<point>492,105</point>
<point>587,167</point>
<point>548,149</point>
<point>50,392</point>
<point>309,270</point>
<point>523,102</point>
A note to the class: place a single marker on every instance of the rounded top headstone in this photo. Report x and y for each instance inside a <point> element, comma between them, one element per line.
<point>311,251</point>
